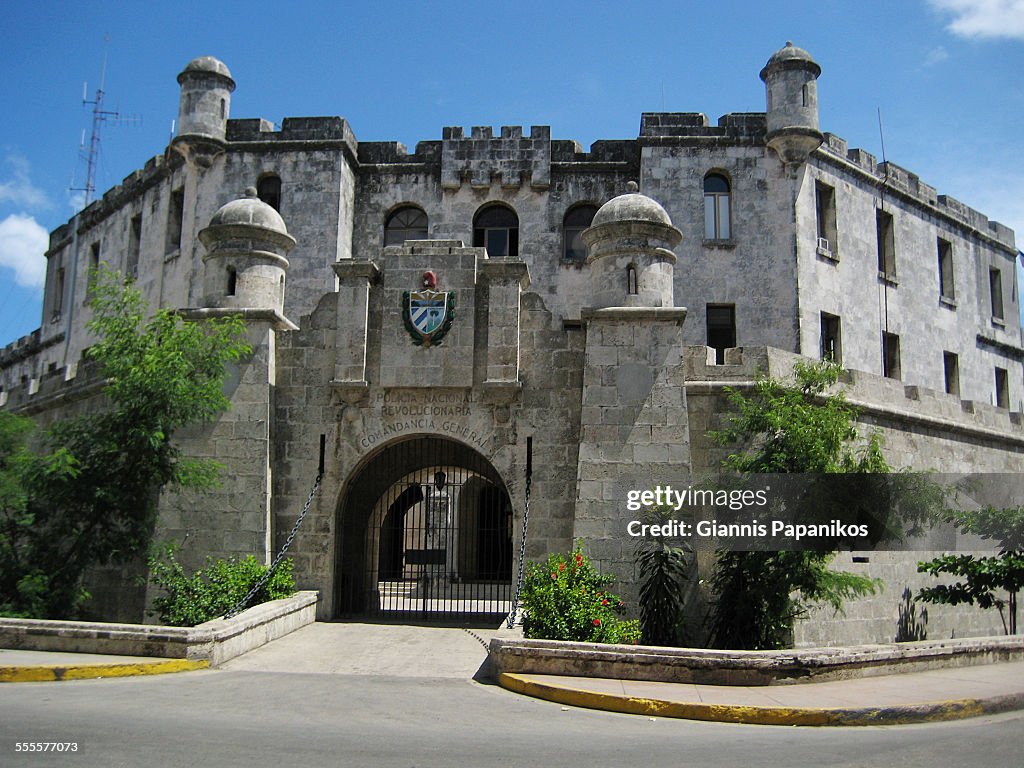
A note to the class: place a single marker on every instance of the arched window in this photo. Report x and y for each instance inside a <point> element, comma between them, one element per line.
<point>631,285</point>
<point>407,223</point>
<point>717,224</point>
<point>232,281</point>
<point>496,228</point>
<point>577,219</point>
<point>268,189</point>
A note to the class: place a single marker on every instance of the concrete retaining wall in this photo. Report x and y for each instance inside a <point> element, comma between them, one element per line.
<point>708,667</point>
<point>216,641</point>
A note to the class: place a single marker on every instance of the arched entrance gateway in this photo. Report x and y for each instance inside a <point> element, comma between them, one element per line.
<point>425,535</point>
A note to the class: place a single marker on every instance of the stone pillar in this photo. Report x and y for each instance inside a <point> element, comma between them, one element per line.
<point>354,281</point>
<point>634,427</point>
<point>505,281</point>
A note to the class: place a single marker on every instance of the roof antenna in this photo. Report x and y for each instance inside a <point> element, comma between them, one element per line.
<point>99,116</point>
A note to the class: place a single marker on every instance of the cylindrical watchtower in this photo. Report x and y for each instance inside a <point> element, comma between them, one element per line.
<point>203,109</point>
<point>247,244</point>
<point>791,85</point>
<point>629,250</point>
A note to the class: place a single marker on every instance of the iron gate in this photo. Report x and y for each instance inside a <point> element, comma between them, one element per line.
<point>426,535</point>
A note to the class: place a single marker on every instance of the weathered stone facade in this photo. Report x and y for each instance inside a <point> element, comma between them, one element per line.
<point>584,353</point>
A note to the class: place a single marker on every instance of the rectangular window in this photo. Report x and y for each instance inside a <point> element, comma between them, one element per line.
<point>93,269</point>
<point>951,369</point>
<point>890,355</point>
<point>825,210</point>
<point>721,326</point>
<point>58,293</point>
<point>831,344</point>
<point>175,216</point>
<point>134,247</point>
<point>886,245</point>
<point>1002,388</point>
<point>947,289</point>
<point>497,242</point>
<point>995,287</point>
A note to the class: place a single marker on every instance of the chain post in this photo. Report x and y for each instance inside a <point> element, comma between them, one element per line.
<point>240,605</point>
<point>511,621</point>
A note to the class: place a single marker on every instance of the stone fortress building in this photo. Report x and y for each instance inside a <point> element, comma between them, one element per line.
<point>493,305</point>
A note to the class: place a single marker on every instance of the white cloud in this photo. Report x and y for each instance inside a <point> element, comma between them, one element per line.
<point>935,56</point>
<point>19,189</point>
<point>984,18</point>
<point>23,242</point>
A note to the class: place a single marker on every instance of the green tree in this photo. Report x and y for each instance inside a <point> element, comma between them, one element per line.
<point>984,579</point>
<point>793,429</point>
<point>88,496</point>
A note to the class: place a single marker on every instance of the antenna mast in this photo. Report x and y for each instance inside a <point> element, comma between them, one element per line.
<point>99,116</point>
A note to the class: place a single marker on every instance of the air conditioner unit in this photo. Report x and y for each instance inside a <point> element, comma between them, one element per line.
<point>824,246</point>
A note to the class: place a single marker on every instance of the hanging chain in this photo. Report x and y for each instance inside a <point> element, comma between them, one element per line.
<point>511,622</point>
<point>240,606</point>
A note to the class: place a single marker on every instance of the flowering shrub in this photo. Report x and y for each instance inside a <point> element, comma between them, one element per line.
<point>567,599</point>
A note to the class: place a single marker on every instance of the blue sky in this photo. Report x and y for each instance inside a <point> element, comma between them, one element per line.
<point>946,74</point>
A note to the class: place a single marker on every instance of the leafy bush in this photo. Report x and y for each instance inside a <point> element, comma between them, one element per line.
<point>567,599</point>
<point>664,573</point>
<point>983,578</point>
<point>210,593</point>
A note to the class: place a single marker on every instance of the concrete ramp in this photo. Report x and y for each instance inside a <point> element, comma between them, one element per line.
<point>372,649</point>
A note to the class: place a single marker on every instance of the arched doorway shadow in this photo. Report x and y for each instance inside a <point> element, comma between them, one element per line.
<point>425,535</point>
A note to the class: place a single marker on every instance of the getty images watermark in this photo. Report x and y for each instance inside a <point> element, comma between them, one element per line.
<point>667,497</point>
<point>898,511</point>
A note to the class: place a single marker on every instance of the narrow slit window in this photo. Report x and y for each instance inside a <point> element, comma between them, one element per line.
<point>947,288</point>
<point>995,285</point>
<point>951,372</point>
<point>886,244</point>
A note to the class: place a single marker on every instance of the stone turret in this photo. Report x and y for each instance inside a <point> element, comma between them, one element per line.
<point>247,244</point>
<point>791,86</point>
<point>629,250</point>
<point>206,87</point>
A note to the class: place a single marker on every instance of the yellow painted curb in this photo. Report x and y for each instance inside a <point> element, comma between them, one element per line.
<point>751,715</point>
<point>51,672</point>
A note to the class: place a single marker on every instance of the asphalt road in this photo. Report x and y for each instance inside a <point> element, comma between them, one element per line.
<point>241,717</point>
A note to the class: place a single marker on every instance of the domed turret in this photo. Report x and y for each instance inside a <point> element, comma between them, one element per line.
<point>629,250</point>
<point>206,87</point>
<point>791,85</point>
<point>247,244</point>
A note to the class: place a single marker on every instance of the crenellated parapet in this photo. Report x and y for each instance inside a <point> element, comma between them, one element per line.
<point>897,180</point>
<point>879,399</point>
<point>511,157</point>
<point>295,133</point>
<point>675,126</point>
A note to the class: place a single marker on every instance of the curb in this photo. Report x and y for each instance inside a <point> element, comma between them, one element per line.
<point>53,672</point>
<point>929,712</point>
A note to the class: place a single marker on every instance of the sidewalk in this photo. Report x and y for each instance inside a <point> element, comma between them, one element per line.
<point>916,697</point>
<point>45,666</point>
<point>425,652</point>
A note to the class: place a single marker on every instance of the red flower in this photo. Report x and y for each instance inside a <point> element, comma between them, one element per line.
<point>597,622</point>
<point>561,567</point>
<point>604,602</point>
<point>554,576</point>
<point>579,559</point>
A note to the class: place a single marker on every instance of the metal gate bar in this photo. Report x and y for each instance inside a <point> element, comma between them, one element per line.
<point>437,536</point>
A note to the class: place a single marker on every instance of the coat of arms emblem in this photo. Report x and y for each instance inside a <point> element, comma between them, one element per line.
<point>428,314</point>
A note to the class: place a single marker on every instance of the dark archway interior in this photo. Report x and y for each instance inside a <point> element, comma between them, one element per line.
<point>425,532</point>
